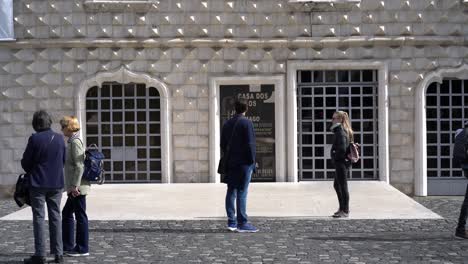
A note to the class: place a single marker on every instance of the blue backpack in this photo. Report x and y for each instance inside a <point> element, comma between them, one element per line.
<point>93,165</point>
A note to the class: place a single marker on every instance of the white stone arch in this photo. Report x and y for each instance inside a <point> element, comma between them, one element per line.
<point>124,76</point>
<point>420,154</point>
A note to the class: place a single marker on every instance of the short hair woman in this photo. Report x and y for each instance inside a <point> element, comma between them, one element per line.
<point>77,189</point>
<point>43,162</point>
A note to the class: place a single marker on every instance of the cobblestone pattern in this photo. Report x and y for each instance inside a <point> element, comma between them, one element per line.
<point>279,241</point>
<point>448,207</point>
<point>7,206</point>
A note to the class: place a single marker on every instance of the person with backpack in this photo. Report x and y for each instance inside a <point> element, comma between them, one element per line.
<point>460,156</point>
<point>343,136</point>
<point>77,188</point>
<point>43,162</point>
<point>238,143</point>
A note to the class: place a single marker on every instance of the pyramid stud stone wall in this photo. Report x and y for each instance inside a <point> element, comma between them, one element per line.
<point>60,43</point>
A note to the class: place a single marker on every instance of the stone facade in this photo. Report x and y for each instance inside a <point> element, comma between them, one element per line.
<point>61,43</point>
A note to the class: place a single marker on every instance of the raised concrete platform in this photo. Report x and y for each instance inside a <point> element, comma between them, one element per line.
<point>369,200</point>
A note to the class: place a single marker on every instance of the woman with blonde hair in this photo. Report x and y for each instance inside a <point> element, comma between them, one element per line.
<point>77,189</point>
<point>343,136</point>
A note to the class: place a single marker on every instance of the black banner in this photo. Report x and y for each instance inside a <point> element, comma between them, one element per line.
<point>261,112</point>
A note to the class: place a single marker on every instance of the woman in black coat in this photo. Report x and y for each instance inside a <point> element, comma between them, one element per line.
<point>343,135</point>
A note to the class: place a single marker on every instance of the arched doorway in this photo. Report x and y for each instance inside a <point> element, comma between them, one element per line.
<point>434,142</point>
<point>124,120</point>
<point>127,115</point>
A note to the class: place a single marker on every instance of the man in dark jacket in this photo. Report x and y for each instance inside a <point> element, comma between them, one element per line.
<point>238,133</point>
<point>460,157</point>
<point>43,162</point>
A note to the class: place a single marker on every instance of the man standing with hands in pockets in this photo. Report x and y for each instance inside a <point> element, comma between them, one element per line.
<point>238,138</point>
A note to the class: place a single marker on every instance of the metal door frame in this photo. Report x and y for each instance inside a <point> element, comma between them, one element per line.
<point>123,75</point>
<point>141,116</point>
<point>307,86</point>
<point>291,108</point>
<point>443,178</point>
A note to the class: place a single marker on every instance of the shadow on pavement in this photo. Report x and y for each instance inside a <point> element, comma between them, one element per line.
<point>158,230</point>
<point>12,258</point>
<point>391,237</point>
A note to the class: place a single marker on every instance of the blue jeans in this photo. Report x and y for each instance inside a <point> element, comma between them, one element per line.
<point>75,206</point>
<point>51,197</point>
<point>238,194</point>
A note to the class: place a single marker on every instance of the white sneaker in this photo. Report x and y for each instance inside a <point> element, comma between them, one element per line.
<point>232,227</point>
<point>76,254</point>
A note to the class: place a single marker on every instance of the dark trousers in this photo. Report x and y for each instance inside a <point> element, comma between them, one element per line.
<point>463,212</point>
<point>51,197</point>
<point>341,185</point>
<point>75,206</point>
<point>237,194</point>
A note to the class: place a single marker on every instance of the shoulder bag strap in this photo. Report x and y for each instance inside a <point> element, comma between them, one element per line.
<point>79,139</point>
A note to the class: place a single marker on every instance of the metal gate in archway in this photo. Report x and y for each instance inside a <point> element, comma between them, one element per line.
<point>446,112</point>
<point>124,121</point>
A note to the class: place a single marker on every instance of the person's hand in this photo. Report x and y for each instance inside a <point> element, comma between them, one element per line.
<point>76,192</point>
<point>73,191</point>
<point>70,190</point>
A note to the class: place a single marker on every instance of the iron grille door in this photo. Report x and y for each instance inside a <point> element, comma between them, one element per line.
<point>320,94</point>
<point>446,111</point>
<point>124,121</point>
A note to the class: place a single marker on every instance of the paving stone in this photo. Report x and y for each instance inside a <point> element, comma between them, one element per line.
<point>279,240</point>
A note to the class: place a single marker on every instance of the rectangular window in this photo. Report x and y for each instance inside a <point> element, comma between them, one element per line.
<point>6,20</point>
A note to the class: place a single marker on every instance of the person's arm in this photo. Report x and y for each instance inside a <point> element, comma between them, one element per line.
<point>250,136</point>
<point>340,145</point>
<point>223,139</point>
<point>77,161</point>
<point>64,156</point>
<point>28,156</point>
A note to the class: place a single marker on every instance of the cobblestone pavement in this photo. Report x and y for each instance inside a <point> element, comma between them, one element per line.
<point>8,206</point>
<point>279,240</point>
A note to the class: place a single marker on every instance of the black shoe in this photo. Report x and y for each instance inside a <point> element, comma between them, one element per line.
<point>58,259</point>
<point>461,234</point>
<point>35,260</point>
<point>336,213</point>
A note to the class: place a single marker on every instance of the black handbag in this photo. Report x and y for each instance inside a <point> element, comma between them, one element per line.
<point>223,161</point>
<point>21,195</point>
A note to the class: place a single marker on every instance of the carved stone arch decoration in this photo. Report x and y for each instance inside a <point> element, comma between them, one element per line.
<point>420,153</point>
<point>123,75</point>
